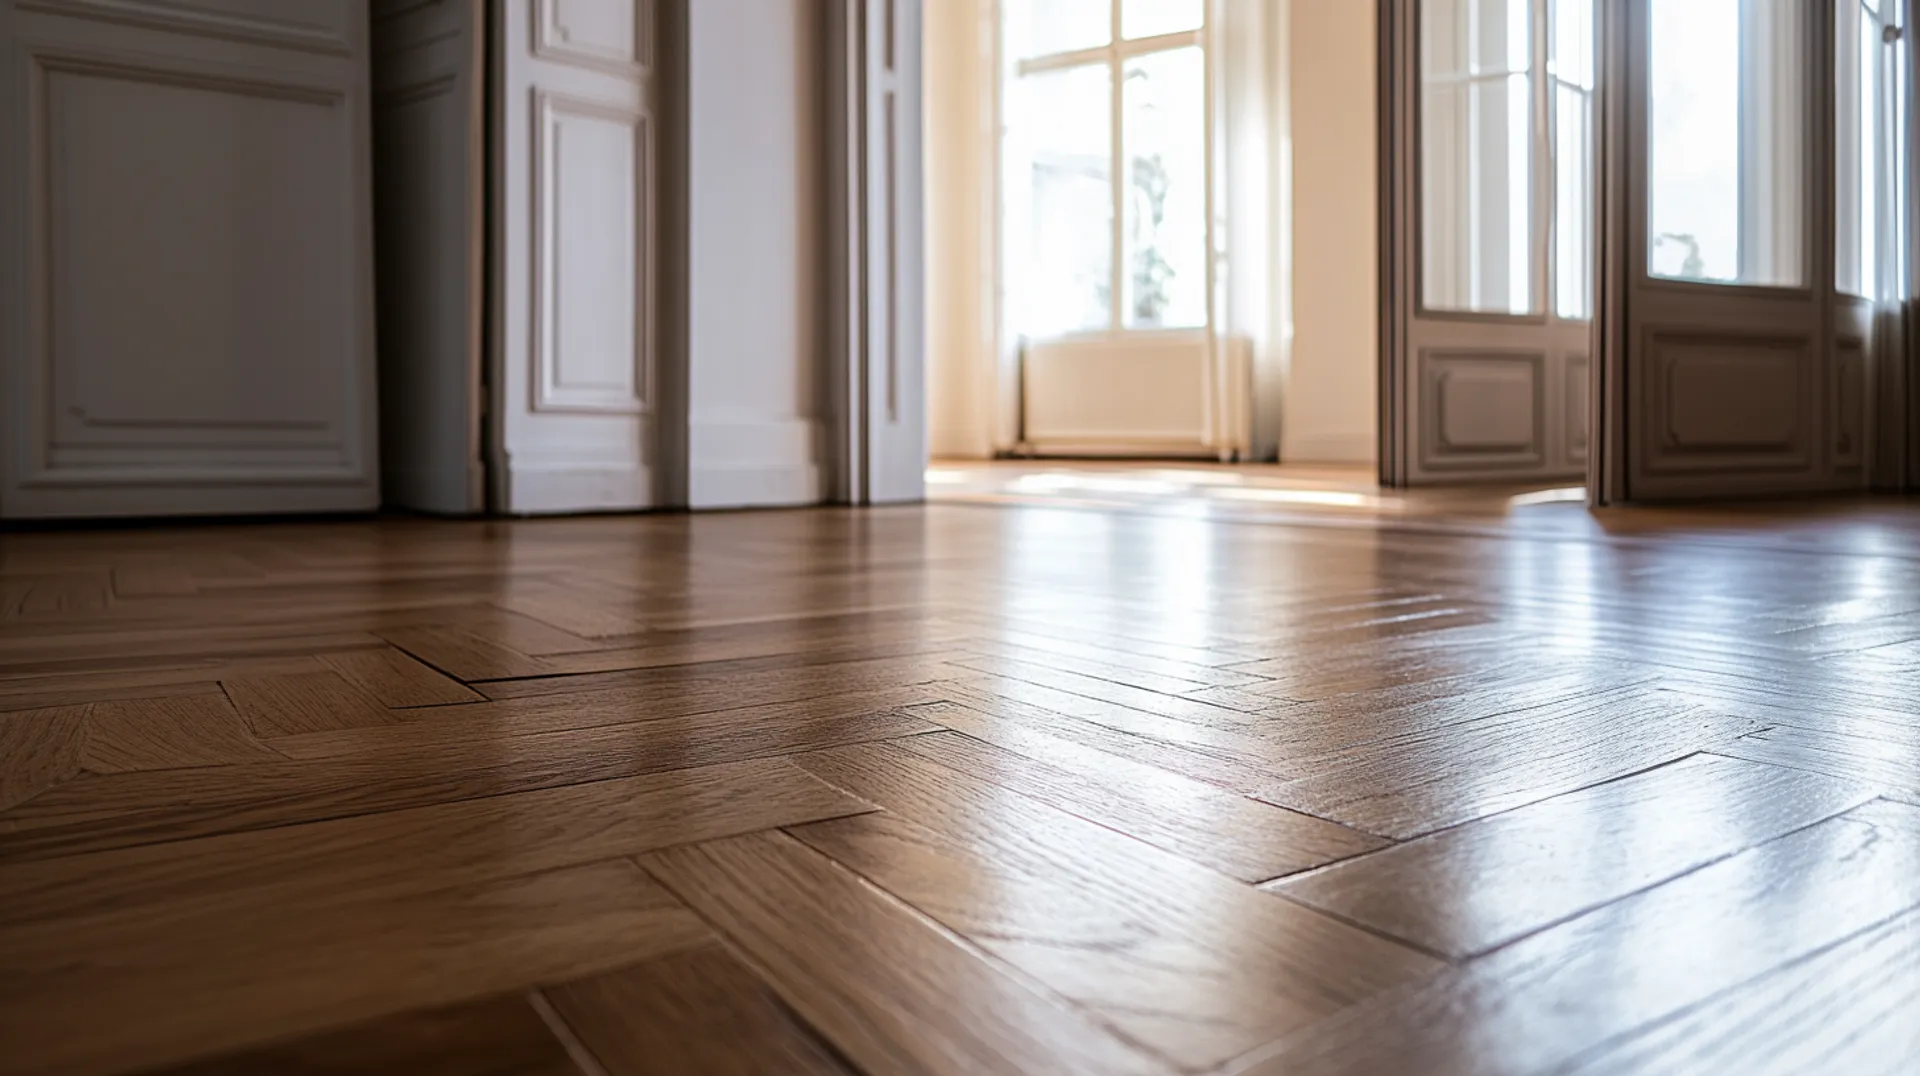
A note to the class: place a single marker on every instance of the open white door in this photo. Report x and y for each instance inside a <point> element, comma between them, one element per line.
<point>1745,268</point>
<point>186,263</point>
<point>1487,252</point>
<point>573,406</point>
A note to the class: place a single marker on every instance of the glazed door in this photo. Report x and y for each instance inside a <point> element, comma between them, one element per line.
<point>1756,239</point>
<point>1489,240</point>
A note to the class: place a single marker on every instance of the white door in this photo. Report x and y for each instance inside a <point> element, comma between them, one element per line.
<point>186,321</point>
<point>1488,304</point>
<point>1751,257</point>
<point>429,115</point>
<point>573,376</point>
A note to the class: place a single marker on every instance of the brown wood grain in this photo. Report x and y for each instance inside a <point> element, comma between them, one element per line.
<point>889,989</point>
<point>698,1011</point>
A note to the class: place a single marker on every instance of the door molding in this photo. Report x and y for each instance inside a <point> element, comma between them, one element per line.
<point>873,382</point>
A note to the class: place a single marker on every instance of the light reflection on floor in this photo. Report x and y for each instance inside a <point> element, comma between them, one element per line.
<point>1243,491</point>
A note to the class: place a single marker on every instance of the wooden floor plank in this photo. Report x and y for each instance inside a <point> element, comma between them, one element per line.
<point>1196,966</point>
<point>276,706</point>
<point>1846,1009</point>
<point>38,750</point>
<point>1885,756</point>
<point>1237,836</point>
<point>167,734</point>
<point>397,680</point>
<point>402,851</point>
<point>1545,1001</point>
<point>1416,784</point>
<point>91,813</point>
<point>183,981</point>
<point>890,990</point>
<point>699,1011</point>
<point>465,654</point>
<point>1470,889</point>
<point>500,1036</point>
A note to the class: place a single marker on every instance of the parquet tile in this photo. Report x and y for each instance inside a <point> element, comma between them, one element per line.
<point>496,1037</point>
<point>1432,785</point>
<point>397,680</point>
<point>887,987</point>
<point>1193,965</point>
<point>695,1011</point>
<point>1473,888</point>
<point>182,981</point>
<point>1544,1001</point>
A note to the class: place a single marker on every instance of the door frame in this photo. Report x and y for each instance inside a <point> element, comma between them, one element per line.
<point>872,383</point>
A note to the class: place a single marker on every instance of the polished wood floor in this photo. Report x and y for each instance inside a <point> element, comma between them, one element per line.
<point>1137,779</point>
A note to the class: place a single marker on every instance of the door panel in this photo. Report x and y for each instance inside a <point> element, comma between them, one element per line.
<point>574,400</point>
<point>185,214</point>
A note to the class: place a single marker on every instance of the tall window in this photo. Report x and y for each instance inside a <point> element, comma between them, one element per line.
<point>1726,179</point>
<point>1106,159</point>
<point>1506,121</point>
<point>1870,101</point>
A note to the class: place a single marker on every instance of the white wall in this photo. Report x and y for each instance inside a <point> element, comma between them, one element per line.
<point>958,69</point>
<point>754,274</point>
<point>1330,403</point>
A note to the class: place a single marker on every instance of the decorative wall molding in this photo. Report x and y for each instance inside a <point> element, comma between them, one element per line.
<point>559,36</point>
<point>589,361</point>
<point>230,22</point>
<point>77,441</point>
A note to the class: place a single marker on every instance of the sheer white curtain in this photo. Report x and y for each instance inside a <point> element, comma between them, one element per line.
<point>1253,177</point>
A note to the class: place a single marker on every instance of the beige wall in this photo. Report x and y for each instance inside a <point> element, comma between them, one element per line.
<point>959,229</point>
<point>1330,406</point>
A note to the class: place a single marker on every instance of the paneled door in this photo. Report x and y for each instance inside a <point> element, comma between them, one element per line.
<point>186,318</point>
<point>1488,290</point>
<point>1756,236</point>
<point>574,343</point>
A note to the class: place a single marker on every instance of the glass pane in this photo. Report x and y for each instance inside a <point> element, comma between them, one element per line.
<point>1725,189</point>
<point>1147,18</point>
<point>1857,161</point>
<point>1060,200</point>
<point>1476,158</point>
<point>1571,53</point>
<point>1573,203</point>
<point>1164,135</point>
<point>1571,59</point>
<point>1501,35</point>
<point>1039,27</point>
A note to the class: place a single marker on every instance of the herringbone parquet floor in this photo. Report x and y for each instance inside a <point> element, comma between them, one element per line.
<point>966,789</point>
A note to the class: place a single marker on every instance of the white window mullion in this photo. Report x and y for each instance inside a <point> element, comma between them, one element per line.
<point>1115,117</point>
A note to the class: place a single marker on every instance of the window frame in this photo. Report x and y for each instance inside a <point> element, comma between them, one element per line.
<point>1545,81</point>
<point>1114,56</point>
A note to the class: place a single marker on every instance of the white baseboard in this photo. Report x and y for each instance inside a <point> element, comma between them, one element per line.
<point>753,463</point>
<point>753,487</point>
<point>551,489</point>
<point>1329,448</point>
